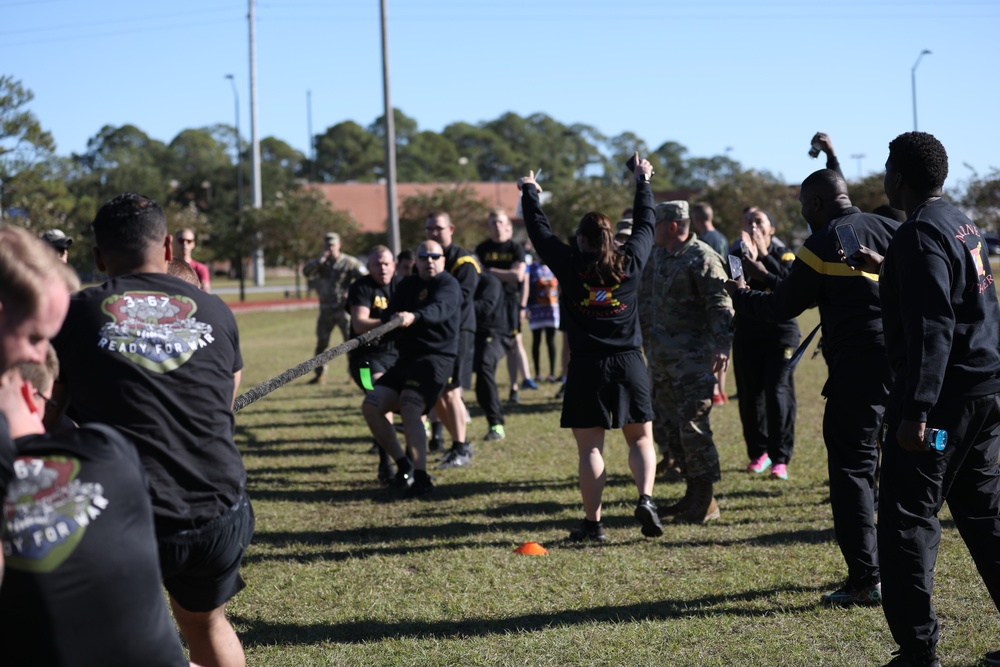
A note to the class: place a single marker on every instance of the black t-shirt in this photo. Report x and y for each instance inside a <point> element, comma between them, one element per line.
<point>82,585</point>
<point>155,356</point>
<point>7,455</point>
<point>366,292</point>
<point>504,255</point>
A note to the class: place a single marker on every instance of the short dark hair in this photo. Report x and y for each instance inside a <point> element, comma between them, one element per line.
<point>405,256</point>
<point>825,182</point>
<point>921,160</point>
<point>129,224</point>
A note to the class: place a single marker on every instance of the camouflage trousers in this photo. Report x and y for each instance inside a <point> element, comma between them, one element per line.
<point>328,319</point>
<point>682,400</point>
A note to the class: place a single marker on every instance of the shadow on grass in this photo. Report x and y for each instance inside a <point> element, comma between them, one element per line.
<point>745,604</point>
<point>368,491</point>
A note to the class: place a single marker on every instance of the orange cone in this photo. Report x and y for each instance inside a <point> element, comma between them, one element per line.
<point>531,549</point>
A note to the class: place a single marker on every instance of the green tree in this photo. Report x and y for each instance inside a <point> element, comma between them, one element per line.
<point>292,228</point>
<point>576,198</point>
<point>982,199</point>
<point>347,152</point>
<point>868,193</point>
<point>730,196</point>
<point>25,150</point>
<point>461,204</point>
<point>121,159</point>
<point>427,158</point>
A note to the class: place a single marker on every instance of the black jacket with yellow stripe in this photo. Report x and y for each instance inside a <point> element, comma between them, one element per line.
<point>848,300</point>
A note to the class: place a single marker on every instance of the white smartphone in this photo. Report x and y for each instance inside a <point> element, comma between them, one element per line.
<point>735,267</point>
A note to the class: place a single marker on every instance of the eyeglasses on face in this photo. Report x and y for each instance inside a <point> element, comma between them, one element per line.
<point>430,255</point>
<point>48,401</point>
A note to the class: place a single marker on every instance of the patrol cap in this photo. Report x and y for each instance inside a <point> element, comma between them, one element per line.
<point>672,211</point>
<point>57,239</point>
<point>332,237</point>
<point>624,227</point>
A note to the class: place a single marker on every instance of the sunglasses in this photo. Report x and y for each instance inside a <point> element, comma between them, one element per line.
<point>430,255</point>
<point>48,401</point>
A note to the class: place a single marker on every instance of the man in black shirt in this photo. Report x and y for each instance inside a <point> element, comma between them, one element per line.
<point>464,267</point>
<point>854,349</point>
<point>504,257</point>
<point>367,298</point>
<point>159,359</point>
<point>942,331</point>
<point>428,304</point>
<point>83,582</point>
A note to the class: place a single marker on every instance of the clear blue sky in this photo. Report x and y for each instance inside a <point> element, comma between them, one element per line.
<point>758,78</point>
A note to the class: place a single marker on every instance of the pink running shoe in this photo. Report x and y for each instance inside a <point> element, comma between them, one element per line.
<point>779,471</point>
<point>759,464</point>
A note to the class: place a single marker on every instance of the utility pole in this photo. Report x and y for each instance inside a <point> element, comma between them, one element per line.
<point>239,189</point>
<point>390,141</point>
<point>312,140</point>
<point>258,254</point>
<point>913,85</point>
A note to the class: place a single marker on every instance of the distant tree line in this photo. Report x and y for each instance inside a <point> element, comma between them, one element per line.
<point>194,176</point>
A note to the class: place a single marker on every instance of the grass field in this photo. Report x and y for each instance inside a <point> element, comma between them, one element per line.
<point>342,573</point>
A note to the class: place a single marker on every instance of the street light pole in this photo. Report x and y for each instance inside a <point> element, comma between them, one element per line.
<point>239,188</point>
<point>913,85</point>
<point>858,157</point>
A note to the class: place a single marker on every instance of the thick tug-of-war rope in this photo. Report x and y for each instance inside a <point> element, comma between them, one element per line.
<point>266,387</point>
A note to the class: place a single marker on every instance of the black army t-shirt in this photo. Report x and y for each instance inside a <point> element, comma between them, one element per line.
<point>155,356</point>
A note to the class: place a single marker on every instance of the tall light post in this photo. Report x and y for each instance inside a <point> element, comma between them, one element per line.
<point>239,188</point>
<point>913,85</point>
<point>858,157</point>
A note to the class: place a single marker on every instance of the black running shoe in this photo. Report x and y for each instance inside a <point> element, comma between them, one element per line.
<point>588,532</point>
<point>403,479</point>
<point>386,472</point>
<point>422,487</point>
<point>647,515</point>
<point>455,458</point>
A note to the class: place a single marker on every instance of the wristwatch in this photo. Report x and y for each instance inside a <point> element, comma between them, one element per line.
<point>643,178</point>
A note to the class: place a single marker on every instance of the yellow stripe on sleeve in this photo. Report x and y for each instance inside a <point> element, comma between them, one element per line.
<point>831,268</point>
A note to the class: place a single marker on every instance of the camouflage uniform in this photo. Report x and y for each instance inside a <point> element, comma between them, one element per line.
<point>333,278</point>
<point>685,315</point>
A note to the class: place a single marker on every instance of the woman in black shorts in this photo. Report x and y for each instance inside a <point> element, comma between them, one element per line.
<point>607,385</point>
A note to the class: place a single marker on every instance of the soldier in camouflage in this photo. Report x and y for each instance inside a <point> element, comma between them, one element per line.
<point>333,273</point>
<point>686,315</point>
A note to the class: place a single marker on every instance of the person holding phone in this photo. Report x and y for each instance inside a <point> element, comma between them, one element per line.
<point>607,384</point>
<point>854,350</point>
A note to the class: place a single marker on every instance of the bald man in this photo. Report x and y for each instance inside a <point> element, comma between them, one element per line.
<point>429,304</point>
<point>854,349</point>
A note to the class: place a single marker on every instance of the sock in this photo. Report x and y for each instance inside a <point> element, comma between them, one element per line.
<point>437,428</point>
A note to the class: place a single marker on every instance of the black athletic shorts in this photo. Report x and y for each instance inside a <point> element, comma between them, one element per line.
<point>425,375</point>
<point>606,392</point>
<point>376,364</point>
<point>461,374</point>
<point>201,566</point>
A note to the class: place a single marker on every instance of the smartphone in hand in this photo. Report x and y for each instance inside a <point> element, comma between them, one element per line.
<point>848,241</point>
<point>630,165</point>
<point>735,267</point>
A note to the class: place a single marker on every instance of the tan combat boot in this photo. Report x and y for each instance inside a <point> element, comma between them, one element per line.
<point>702,507</point>
<point>679,507</point>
